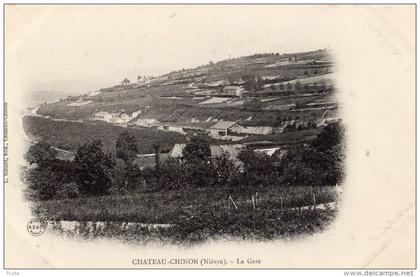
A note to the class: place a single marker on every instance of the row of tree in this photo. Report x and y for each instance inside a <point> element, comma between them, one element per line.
<point>317,164</point>
<point>94,172</point>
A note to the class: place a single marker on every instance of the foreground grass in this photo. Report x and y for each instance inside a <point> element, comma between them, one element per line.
<point>232,225</point>
<point>198,214</point>
<point>167,207</point>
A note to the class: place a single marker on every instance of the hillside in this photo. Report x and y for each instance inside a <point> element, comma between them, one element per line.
<point>265,93</point>
<point>275,73</point>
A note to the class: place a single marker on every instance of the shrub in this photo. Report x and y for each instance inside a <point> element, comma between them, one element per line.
<point>68,190</point>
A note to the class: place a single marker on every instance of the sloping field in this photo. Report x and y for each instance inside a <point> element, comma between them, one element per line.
<point>313,79</point>
<point>69,135</point>
<point>215,100</point>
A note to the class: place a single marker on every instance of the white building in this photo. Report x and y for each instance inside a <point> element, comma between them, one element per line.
<point>256,130</point>
<point>104,116</point>
<point>135,114</point>
<point>114,118</point>
<point>171,128</point>
<point>147,122</point>
<point>233,91</point>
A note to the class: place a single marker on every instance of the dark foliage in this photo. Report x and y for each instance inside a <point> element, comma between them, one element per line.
<point>69,135</point>
<point>197,148</point>
<point>320,163</point>
<point>126,147</point>
<point>49,175</point>
<point>171,175</point>
<point>198,170</point>
<point>93,169</point>
<point>126,177</point>
<point>41,153</point>
<point>252,82</point>
<point>258,170</point>
<point>332,135</point>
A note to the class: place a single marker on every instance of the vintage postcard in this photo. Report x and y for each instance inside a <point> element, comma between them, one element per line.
<point>209,136</point>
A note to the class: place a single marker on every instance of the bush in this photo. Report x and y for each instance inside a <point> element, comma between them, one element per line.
<point>93,169</point>
<point>68,190</point>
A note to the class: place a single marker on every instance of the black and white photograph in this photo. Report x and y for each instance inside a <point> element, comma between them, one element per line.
<point>185,128</point>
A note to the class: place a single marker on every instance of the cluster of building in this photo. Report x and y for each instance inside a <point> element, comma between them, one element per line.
<point>232,128</point>
<point>219,89</point>
<point>221,130</point>
<point>118,116</point>
<point>227,130</point>
<point>232,150</point>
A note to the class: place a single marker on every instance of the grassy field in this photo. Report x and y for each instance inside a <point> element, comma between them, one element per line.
<point>128,103</point>
<point>69,135</point>
<point>169,207</point>
<point>200,214</point>
<point>287,137</point>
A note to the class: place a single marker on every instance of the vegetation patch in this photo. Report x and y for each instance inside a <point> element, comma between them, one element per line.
<point>70,135</point>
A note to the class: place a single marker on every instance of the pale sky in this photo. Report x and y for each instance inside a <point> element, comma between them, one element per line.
<point>108,43</point>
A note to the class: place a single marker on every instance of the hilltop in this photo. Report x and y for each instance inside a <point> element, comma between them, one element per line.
<point>177,96</point>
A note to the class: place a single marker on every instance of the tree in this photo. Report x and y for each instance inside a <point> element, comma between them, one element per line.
<point>197,160</point>
<point>125,82</point>
<point>133,176</point>
<point>330,136</point>
<point>93,169</point>
<point>298,86</point>
<point>118,176</point>
<point>252,82</point>
<point>320,163</point>
<point>258,169</point>
<point>172,174</point>
<point>149,175</point>
<point>46,180</point>
<point>126,177</point>
<point>259,82</point>
<point>157,149</point>
<point>126,147</point>
<point>41,154</point>
<point>253,104</point>
<point>49,175</point>
<point>197,148</point>
<point>67,191</point>
<point>42,183</point>
<point>231,80</point>
<point>281,86</point>
<point>226,170</point>
<point>322,86</point>
<point>300,167</point>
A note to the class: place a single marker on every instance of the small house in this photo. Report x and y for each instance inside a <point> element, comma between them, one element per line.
<point>233,91</point>
<point>224,128</point>
<point>103,116</point>
<point>147,122</point>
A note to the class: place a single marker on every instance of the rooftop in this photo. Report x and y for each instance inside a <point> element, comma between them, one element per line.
<point>223,124</point>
